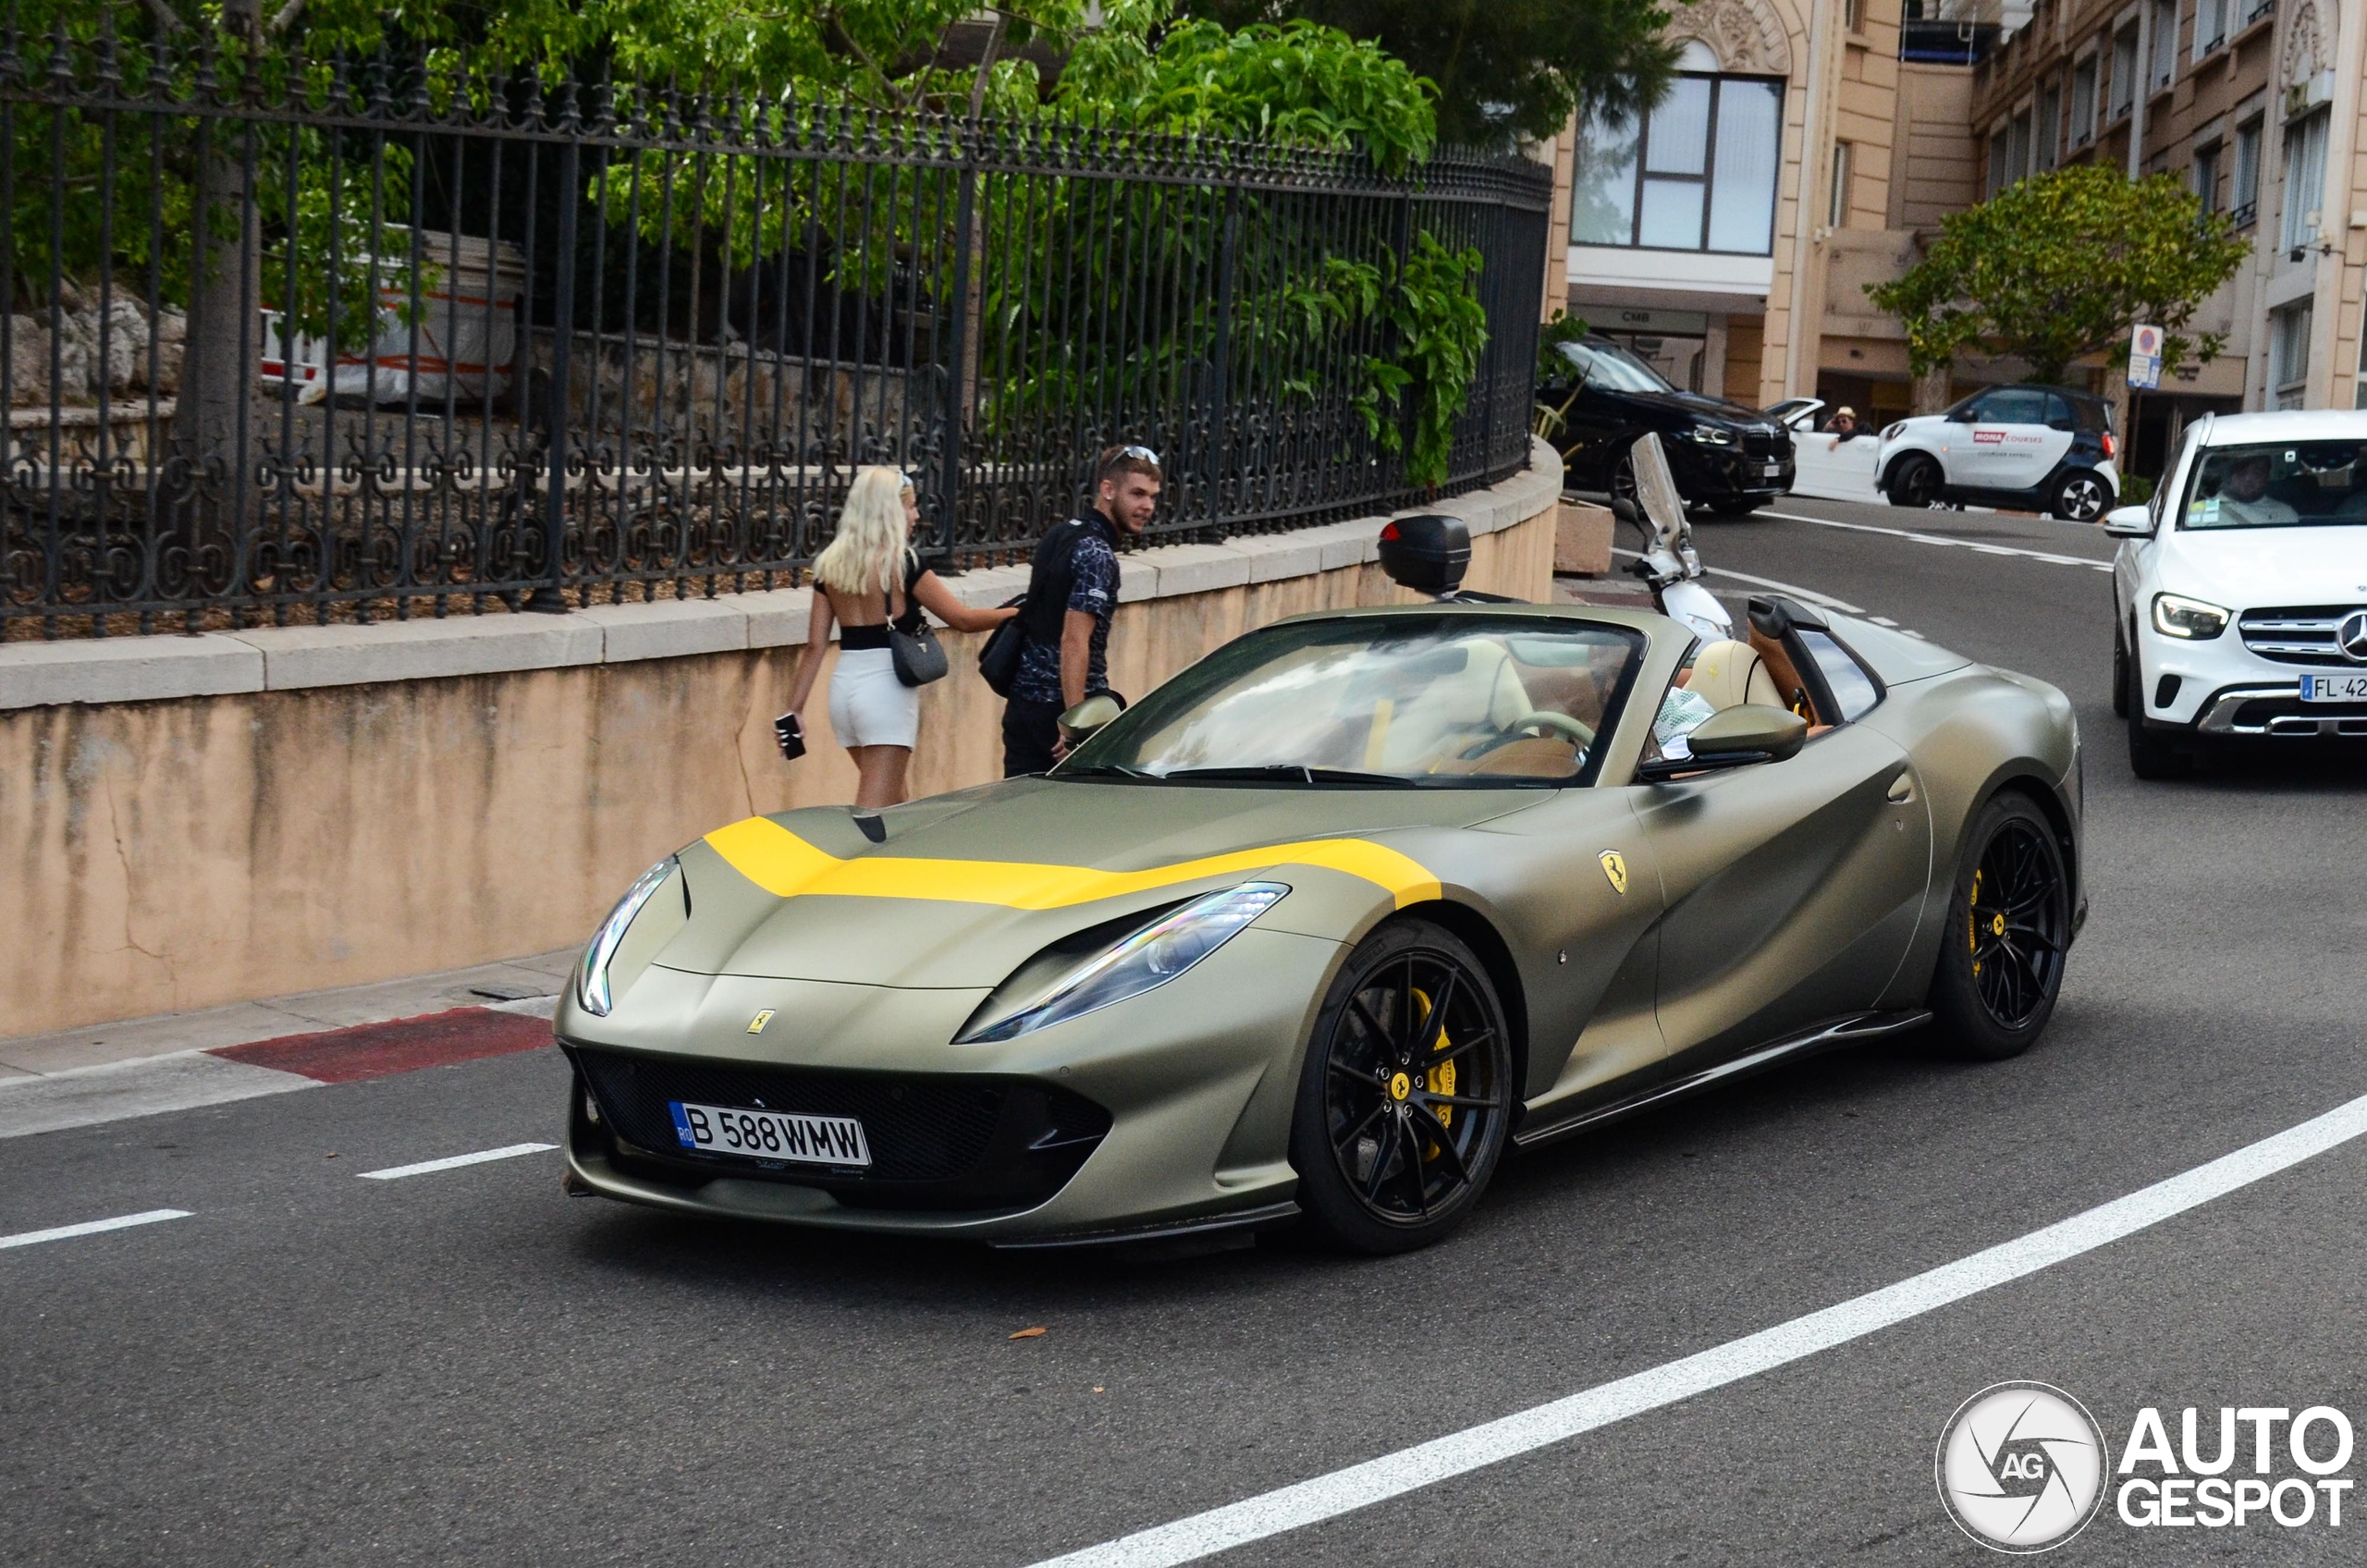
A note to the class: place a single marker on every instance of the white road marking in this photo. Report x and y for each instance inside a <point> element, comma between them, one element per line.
<point>1973,544</point>
<point>1411,1469</point>
<point>453,1162</point>
<point>91,1227</point>
<point>85,1096</point>
<point>1810,594</point>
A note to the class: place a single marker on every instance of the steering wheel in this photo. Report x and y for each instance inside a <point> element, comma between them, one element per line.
<point>1560,724</point>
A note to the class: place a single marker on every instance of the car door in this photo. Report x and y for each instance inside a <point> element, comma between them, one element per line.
<point>1592,424</point>
<point>2009,444</point>
<point>1792,889</point>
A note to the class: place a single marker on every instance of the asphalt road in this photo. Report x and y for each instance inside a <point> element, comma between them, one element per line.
<point>464,1367</point>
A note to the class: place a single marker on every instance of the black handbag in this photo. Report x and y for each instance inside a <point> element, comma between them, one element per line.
<point>998,660</point>
<point>919,657</point>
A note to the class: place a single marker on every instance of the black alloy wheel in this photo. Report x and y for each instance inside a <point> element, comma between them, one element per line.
<point>2003,944</point>
<point>2082,496</point>
<point>1915,481</point>
<point>1407,1097</point>
<point>1621,481</point>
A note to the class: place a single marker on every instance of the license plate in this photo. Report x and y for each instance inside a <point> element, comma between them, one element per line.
<point>1771,470</point>
<point>2333,688</point>
<point>770,1134</point>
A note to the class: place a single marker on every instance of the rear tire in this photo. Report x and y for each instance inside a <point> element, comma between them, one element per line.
<point>2081,497</point>
<point>1406,1094</point>
<point>1914,481</point>
<point>2007,929</point>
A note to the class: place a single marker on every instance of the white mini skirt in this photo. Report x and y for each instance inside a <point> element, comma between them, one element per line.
<point>868,706</point>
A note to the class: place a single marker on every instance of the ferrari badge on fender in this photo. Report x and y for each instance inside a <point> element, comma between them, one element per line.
<point>1614,865</point>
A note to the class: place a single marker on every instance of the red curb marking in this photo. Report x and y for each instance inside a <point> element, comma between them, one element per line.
<point>400,1045</point>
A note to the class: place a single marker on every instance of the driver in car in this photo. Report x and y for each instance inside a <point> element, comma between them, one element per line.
<point>2244,499</point>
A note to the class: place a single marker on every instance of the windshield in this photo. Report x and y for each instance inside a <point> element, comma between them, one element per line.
<point>1608,365</point>
<point>1379,702</point>
<point>2278,484</point>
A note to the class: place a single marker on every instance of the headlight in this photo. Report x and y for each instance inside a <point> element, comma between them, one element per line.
<point>1151,957</point>
<point>1709,435</point>
<point>592,976</point>
<point>2176,615</point>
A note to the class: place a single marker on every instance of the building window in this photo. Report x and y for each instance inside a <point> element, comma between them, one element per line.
<point>2124,73</point>
<point>1699,174</point>
<point>2243,196</point>
<point>1836,208</point>
<point>2166,43</point>
<point>2017,157</point>
<point>2206,177</point>
<point>1853,15</point>
<point>2210,25</point>
<point>2288,355</point>
<point>2050,124</point>
<point>2083,102</point>
<point>2305,180</point>
<point>1996,161</point>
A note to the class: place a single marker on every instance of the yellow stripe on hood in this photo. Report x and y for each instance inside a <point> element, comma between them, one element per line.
<point>786,866</point>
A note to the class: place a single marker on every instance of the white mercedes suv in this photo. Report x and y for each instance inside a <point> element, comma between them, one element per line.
<point>2042,448</point>
<point>2241,593</point>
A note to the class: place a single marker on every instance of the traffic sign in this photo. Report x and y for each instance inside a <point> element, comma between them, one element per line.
<point>2145,358</point>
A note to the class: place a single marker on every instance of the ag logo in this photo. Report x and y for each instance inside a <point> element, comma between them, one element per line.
<point>2021,1468</point>
<point>1614,865</point>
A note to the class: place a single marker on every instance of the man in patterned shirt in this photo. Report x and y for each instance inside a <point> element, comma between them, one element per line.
<point>1072,593</point>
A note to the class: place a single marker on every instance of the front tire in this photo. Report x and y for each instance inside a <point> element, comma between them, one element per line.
<point>2119,677</point>
<point>1915,481</point>
<point>1406,1094</point>
<point>2152,753</point>
<point>2081,497</point>
<point>2007,930</point>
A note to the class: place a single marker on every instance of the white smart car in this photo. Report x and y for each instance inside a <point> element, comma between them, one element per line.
<point>2240,595</point>
<point>2034,448</point>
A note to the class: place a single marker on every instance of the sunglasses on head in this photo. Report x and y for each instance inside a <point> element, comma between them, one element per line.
<point>1144,453</point>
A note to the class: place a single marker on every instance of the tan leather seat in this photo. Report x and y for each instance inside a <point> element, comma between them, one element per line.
<point>1727,674</point>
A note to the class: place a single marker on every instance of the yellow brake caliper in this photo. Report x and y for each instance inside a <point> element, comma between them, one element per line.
<point>1972,921</point>
<point>1439,1079</point>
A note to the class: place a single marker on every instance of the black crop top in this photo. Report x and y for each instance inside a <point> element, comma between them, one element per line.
<point>853,638</point>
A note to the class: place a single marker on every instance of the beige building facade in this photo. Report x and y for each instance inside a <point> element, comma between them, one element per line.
<point>1813,147</point>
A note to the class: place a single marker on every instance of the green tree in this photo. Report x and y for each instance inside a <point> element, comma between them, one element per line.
<point>1504,68</point>
<point>2060,266</point>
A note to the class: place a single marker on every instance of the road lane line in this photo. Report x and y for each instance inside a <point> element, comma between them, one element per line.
<point>91,1227</point>
<point>1425,1464</point>
<point>1981,546</point>
<point>1810,594</point>
<point>453,1162</point>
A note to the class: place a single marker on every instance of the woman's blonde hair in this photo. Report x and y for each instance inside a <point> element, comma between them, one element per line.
<point>867,554</point>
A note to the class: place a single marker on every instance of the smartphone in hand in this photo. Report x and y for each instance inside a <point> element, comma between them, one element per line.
<point>792,735</point>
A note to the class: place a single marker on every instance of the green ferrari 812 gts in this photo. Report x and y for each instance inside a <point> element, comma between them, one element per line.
<point>1317,930</point>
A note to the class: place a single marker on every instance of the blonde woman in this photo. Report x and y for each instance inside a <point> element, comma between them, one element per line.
<point>867,577</point>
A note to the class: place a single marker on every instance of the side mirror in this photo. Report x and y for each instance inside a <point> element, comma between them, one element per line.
<point>1962,416</point>
<point>2129,523</point>
<point>1627,512</point>
<point>1734,737</point>
<point>1079,722</point>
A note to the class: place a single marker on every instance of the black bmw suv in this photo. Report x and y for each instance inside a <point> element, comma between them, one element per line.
<point>1724,457</point>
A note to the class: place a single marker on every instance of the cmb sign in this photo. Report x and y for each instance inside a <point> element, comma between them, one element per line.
<point>2145,357</point>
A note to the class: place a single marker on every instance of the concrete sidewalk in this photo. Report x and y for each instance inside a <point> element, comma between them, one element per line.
<point>521,980</point>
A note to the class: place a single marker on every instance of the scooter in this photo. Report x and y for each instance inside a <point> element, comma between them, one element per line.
<point>1668,565</point>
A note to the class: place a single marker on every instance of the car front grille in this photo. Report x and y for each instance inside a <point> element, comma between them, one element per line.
<point>937,1139</point>
<point>1774,446</point>
<point>2296,635</point>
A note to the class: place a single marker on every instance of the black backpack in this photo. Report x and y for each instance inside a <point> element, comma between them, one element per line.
<point>1041,608</point>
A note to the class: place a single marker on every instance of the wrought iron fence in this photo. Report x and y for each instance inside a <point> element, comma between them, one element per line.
<point>290,340</point>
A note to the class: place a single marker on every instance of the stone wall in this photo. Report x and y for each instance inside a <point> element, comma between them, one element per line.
<point>187,822</point>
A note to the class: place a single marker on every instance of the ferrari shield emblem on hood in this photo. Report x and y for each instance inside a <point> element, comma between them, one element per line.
<point>1614,865</point>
